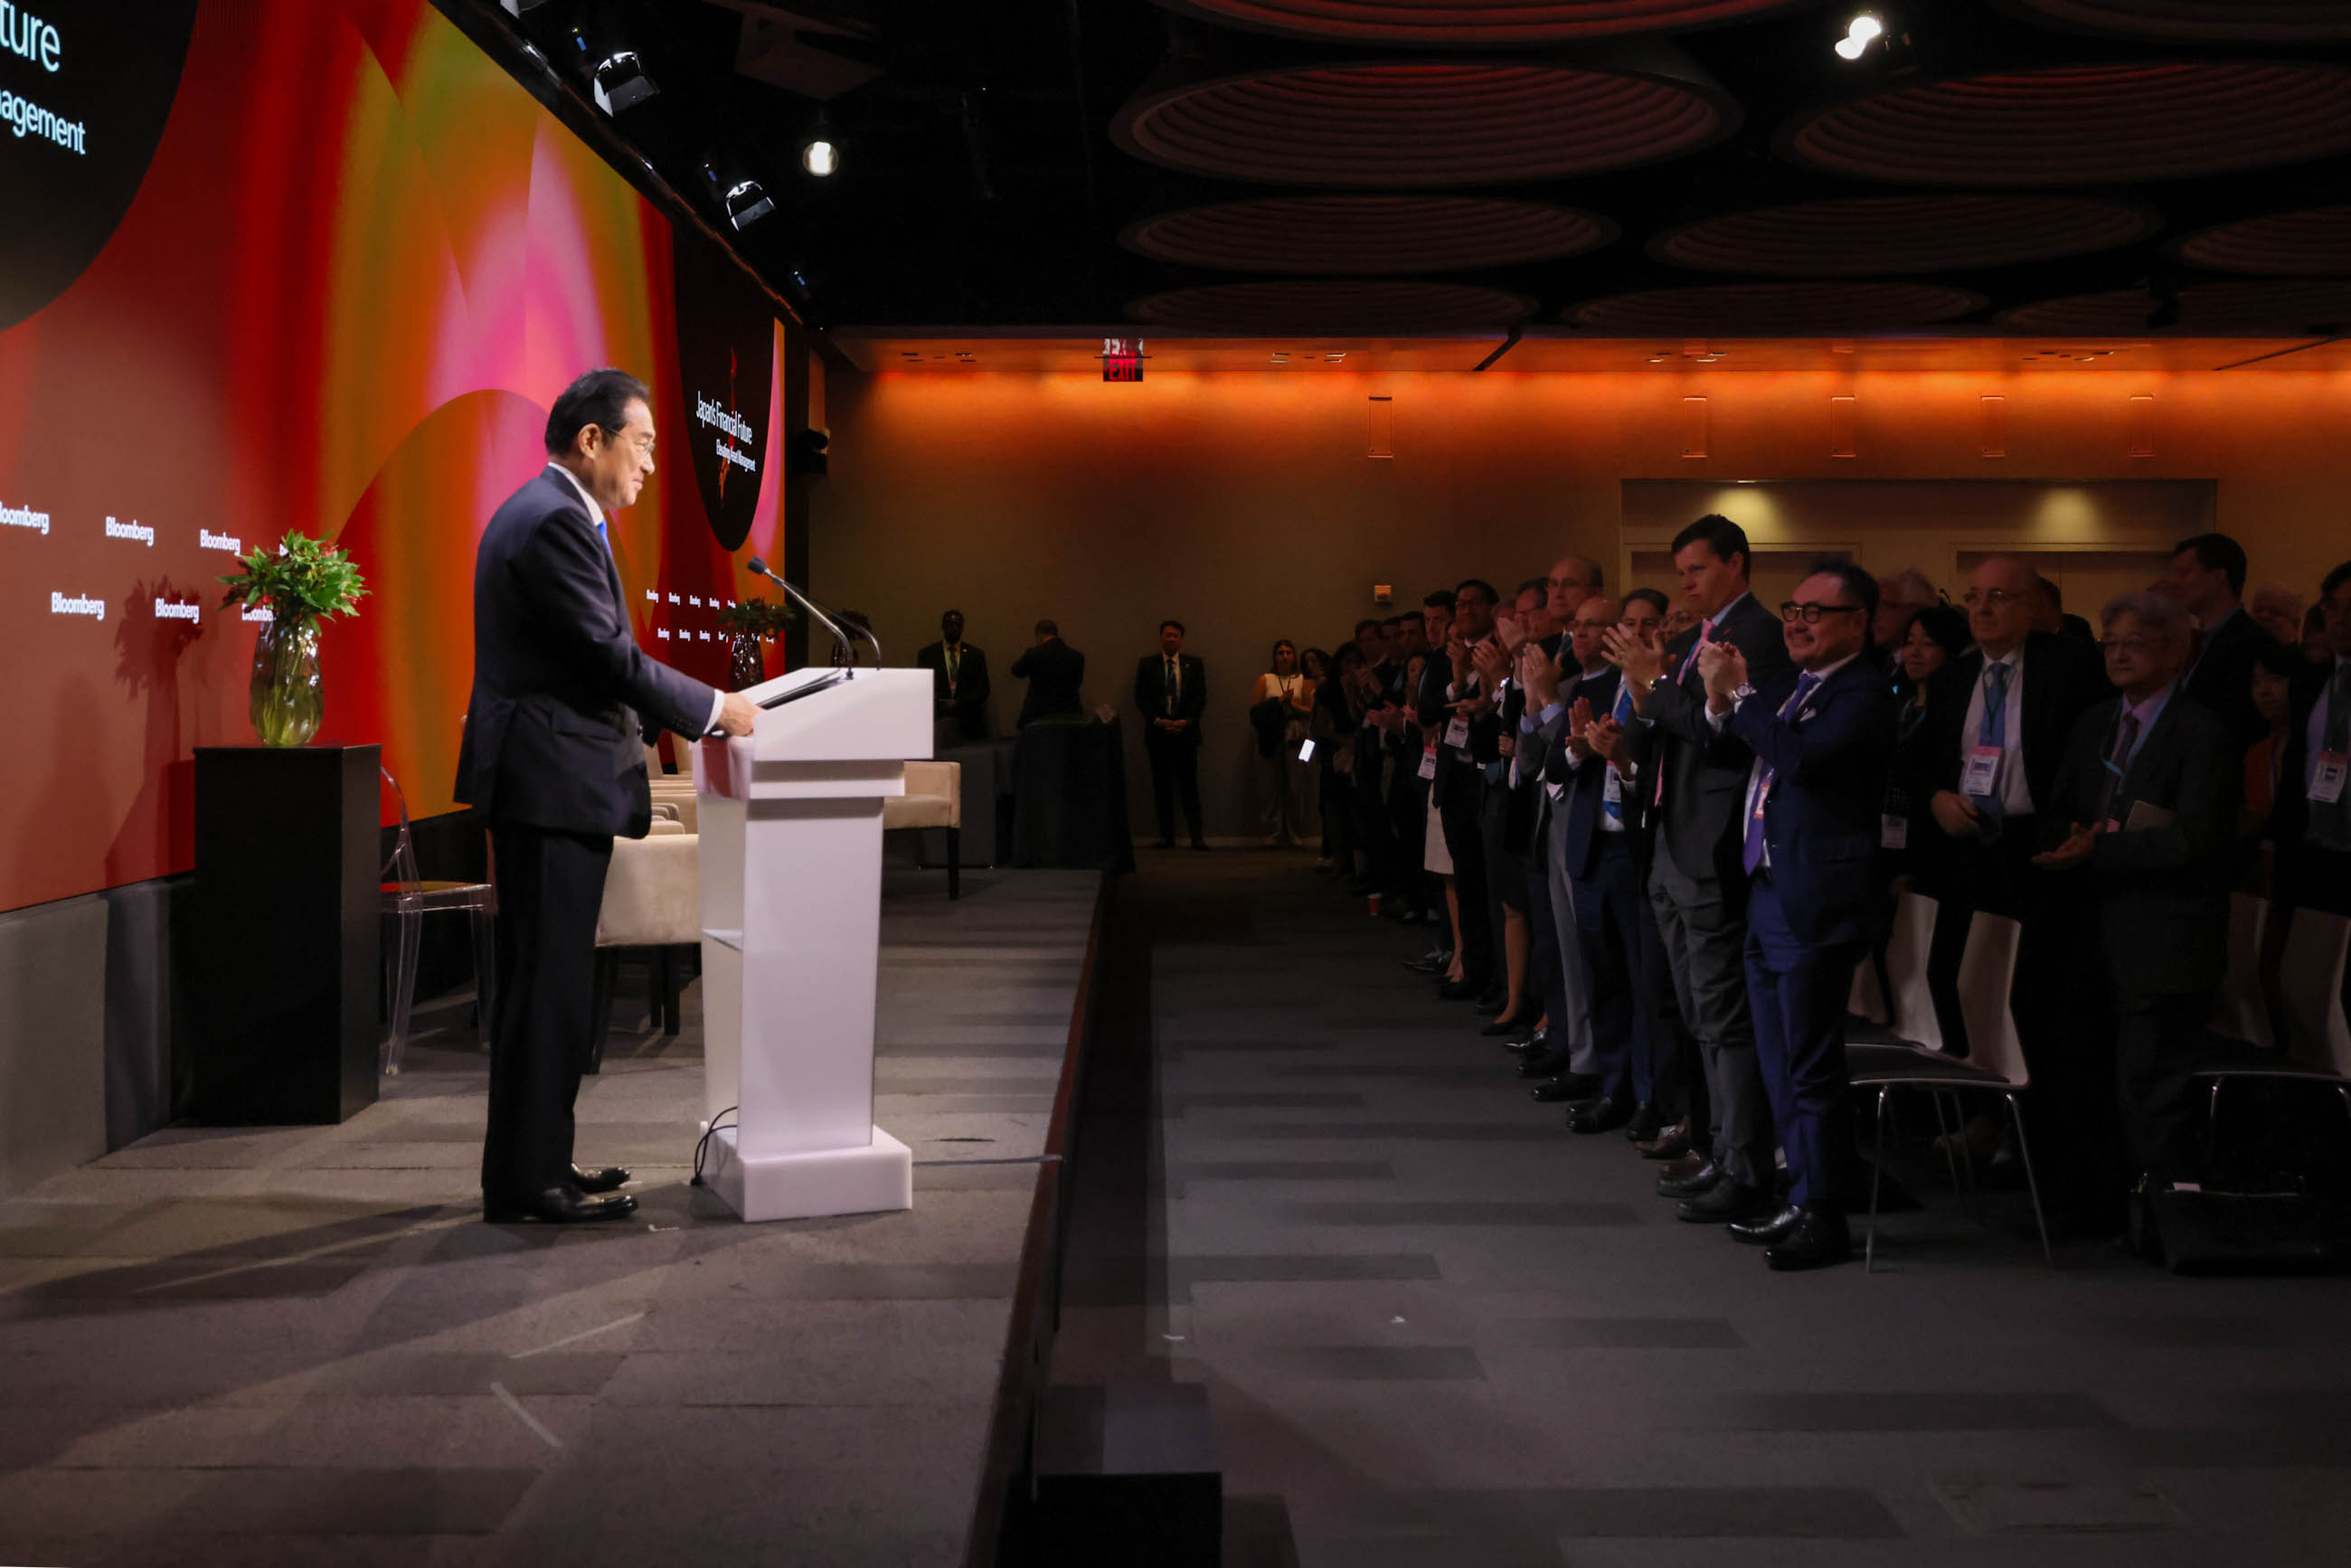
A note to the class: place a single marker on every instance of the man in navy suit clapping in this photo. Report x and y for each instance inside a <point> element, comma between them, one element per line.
<point>1822,736</point>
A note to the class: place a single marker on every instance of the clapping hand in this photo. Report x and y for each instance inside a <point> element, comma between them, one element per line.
<point>1539,676</point>
<point>1643,659</point>
<point>1510,631</point>
<point>2073,852</point>
<point>1579,722</point>
<point>1491,661</point>
<point>1724,669</point>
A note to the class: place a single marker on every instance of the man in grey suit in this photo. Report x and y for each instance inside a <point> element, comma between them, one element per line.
<point>1697,883</point>
<point>553,758</point>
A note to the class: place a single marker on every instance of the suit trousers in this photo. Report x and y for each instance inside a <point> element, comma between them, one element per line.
<point>1408,820</point>
<point>1552,900</point>
<point>1670,1075</point>
<point>1609,915</point>
<point>1706,943</point>
<point>1174,774</point>
<point>550,892</point>
<point>2159,1040</point>
<point>1458,812</point>
<point>1799,992</point>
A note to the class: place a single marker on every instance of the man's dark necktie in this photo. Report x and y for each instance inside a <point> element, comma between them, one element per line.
<point>1170,688</point>
<point>2118,764</point>
<point>1752,854</point>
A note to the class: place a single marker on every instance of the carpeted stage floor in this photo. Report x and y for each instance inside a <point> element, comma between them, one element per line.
<point>300,1345</point>
<point>1438,1331</point>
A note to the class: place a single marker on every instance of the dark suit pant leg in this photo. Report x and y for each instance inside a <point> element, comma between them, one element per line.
<point>1548,987</point>
<point>1459,816</point>
<point>1607,936</point>
<point>2157,1043</point>
<point>1163,753</point>
<point>1798,993</point>
<point>1676,1087</point>
<point>550,891</point>
<point>1707,944</point>
<point>1187,778</point>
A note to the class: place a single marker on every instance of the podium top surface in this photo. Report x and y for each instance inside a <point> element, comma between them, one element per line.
<point>842,715</point>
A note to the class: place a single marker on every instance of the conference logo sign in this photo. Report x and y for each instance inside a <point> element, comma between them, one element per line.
<point>85,89</point>
<point>726,362</point>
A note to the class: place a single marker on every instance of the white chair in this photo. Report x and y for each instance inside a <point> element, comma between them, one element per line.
<point>933,799</point>
<point>653,904</point>
<point>1995,1063</point>
<point>2239,1011</point>
<point>408,898</point>
<point>1906,967</point>
<point>2318,1037</point>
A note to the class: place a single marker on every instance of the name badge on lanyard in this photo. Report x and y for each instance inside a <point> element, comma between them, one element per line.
<point>2326,777</point>
<point>1429,762</point>
<point>1456,734</point>
<point>1982,770</point>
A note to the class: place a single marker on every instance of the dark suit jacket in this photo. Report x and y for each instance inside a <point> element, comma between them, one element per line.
<point>1706,774</point>
<point>1458,783</point>
<point>967,701</point>
<point>1821,819</point>
<point>563,698</point>
<point>1151,696</point>
<point>1579,808</point>
<point>1054,671</point>
<point>2222,680</point>
<point>2163,892</point>
<point>2290,817</point>
<point>2062,677</point>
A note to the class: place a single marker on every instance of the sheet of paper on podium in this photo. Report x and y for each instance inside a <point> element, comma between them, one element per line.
<point>791,916</point>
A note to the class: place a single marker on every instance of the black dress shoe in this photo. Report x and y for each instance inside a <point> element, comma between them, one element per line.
<point>1766,1229</point>
<point>1600,1116</point>
<point>1725,1201</point>
<point>1434,962</point>
<point>1540,1061</point>
<point>1701,1180</point>
<point>1645,1122</point>
<point>1456,991</point>
<point>608,1178</point>
<point>1816,1240</point>
<point>1568,1088</point>
<point>558,1206</point>
<point>1503,1028</point>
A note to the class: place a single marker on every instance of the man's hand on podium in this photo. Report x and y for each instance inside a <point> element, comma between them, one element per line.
<point>736,714</point>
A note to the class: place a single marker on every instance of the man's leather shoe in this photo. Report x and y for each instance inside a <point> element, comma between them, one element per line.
<point>1600,1116</point>
<point>1458,991</point>
<point>558,1206</point>
<point>1540,1061</point>
<point>608,1178</point>
<point>1726,1200</point>
<point>1817,1239</point>
<point>1766,1229</point>
<point>1670,1143</point>
<point>1689,1183</point>
<point>1436,961</point>
<point>1569,1087</point>
<point>1645,1122</point>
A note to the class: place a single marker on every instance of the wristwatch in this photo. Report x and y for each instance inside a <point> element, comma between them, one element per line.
<point>1739,695</point>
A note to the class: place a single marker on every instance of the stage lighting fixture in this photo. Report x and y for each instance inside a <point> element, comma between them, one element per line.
<point>621,82</point>
<point>821,156</point>
<point>521,7</point>
<point>746,203</point>
<point>1863,31</point>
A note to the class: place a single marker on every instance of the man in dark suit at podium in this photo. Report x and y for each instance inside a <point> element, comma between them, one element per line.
<point>553,758</point>
<point>1170,688</point>
<point>1055,671</point>
<point>959,678</point>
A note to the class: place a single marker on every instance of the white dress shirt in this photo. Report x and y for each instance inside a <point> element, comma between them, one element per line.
<point>597,520</point>
<point>2015,794</point>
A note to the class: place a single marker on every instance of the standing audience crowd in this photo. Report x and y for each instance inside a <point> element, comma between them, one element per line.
<point>1658,834</point>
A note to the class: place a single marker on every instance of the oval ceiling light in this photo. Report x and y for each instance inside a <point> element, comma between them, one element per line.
<point>1772,309</point>
<point>2075,125</point>
<point>1446,23</point>
<point>2209,21</point>
<point>1874,236</point>
<point>1329,309</point>
<point>1365,235</point>
<point>821,156</point>
<point>2267,307</point>
<point>2313,243</point>
<point>1426,124</point>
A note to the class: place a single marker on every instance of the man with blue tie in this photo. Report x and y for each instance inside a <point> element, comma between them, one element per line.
<point>1822,736</point>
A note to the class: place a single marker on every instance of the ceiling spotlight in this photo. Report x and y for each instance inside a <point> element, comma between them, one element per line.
<point>746,203</point>
<point>1865,27</point>
<point>820,157</point>
<point>621,82</point>
<point>1850,49</point>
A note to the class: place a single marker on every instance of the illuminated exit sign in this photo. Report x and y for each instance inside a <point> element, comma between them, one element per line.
<point>1121,359</point>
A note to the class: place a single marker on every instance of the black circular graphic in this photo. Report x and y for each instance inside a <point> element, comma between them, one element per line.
<point>726,367</point>
<point>85,89</point>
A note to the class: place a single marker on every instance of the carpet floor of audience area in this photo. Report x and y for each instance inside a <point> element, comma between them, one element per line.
<point>1436,1329</point>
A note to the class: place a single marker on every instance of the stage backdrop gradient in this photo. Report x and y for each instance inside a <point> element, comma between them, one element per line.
<point>359,266</point>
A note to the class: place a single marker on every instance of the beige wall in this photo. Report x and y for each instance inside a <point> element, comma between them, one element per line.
<point>1246,503</point>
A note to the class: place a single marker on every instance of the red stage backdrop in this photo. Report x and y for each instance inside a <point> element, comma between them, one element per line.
<point>313,264</point>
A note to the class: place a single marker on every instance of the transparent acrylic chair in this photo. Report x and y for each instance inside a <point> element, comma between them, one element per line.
<point>408,899</point>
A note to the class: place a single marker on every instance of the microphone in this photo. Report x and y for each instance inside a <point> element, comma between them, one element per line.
<point>760,567</point>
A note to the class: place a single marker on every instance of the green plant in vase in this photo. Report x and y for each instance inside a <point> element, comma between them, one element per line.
<point>748,623</point>
<point>300,584</point>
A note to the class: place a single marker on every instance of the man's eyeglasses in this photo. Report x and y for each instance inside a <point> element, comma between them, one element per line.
<point>2129,646</point>
<point>1990,597</point>
<point>1811,613</point>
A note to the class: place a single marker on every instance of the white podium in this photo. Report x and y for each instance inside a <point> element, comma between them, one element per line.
<point>791,918</point>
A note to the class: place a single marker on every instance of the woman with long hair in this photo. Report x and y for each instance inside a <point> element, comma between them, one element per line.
<point>1279,706</point>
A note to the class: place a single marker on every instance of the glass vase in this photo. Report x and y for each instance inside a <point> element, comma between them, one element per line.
<point>749,666</point>
<point>287,701</point>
